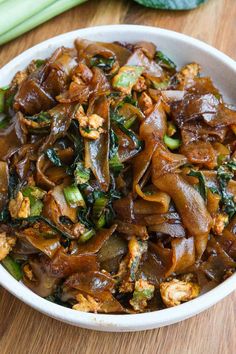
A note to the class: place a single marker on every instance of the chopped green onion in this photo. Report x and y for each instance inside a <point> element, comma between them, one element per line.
<point>101,221</point>
<point>172,143</point>
<point>129,122</point>
<point>127,78</point>
<point>73,196</point>
<point>115,163</point>
<point>81,173</point>
<point>86,236</point>
<point>161,85</point>
<point>13,267</point>
<point>99,205</point>
<point>36,208</point>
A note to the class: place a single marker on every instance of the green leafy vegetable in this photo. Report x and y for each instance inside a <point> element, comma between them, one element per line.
<point>42,117</point>
<point>172,143</point>
<point>53,157</point>
<point>114,161</point>
<point>39,62</point>
<point>101,62</point>
<point>164,61</point>
<point>224,174</point>
<point>13,267</point>
<point>202,182</point>
<point>82,174</point>
<point>171,4</point>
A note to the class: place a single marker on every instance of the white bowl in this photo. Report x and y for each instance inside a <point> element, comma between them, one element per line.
<point>182,49</point>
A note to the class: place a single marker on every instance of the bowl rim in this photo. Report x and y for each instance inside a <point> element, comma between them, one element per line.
<point>127,322</point>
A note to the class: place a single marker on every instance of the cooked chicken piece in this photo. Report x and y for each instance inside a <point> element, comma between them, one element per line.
<point>6,245</point>
<point>142,293</point>
<point>90,127</point>
<point>145,103</point>
<point>219,223</point>
<point>20,206</point>
<point>176,291</point>
<point>88,304</point>
<point>140,85</point>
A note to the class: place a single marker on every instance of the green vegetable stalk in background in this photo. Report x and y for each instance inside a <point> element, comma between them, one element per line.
<point>171,4</point>
<point>20,16</point>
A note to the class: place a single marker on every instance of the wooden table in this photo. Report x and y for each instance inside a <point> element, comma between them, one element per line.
<point>23,330</point>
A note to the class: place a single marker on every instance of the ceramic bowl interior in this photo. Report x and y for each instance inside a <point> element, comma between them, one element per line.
<point>182,49</point>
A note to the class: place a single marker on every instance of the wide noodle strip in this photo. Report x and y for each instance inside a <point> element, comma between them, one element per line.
<point>117,179</point>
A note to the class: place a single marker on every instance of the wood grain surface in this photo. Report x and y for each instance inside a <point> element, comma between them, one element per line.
<point>23,330</point>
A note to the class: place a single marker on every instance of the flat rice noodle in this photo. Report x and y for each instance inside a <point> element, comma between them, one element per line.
<point>78,93</point>
<point>62,114</point>
<point>23,159</point>
<point>114,247</point>
<point>173,230</point>
<point>88,49</point>
<point>193,131</point>
<point>151,268</point>
<point>190,205</point>
<point>155,125</point>
<point>222,118</point>
<point>148,48</point>
<point>132,230</point>
<point>172,95</point>
<point>31,98</point>
<point>228,239</point>
<point>156,219</point>
<point>218,262</point>
<point>127,148</point>
<point>63,265</point>
<point>94,283</point>
<point>99,84</point>
<point>141,162</point>
<point>145,207</point>
<point>200,152</point>
<point>42,179</point>
<point>65,210</point>
<point>44,284</point>
<point>202,86</point>
<point>124,208</point>
<point>183,255</point>
<point>11,138</point>
<point>138,58</point>
<point>4,181</point>
<point>97,151</point>
<point>164,161</point>
<point>211,181</point>
<point>151,194</point>
<point>122,54</point>
<point>194,106</point>
<point>164,255</point>
<point>128,110</point>
<point>48,246</point>
<point>96,242</point>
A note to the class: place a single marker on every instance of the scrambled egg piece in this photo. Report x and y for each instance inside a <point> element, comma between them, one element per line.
<point>219,223</point>
<point>90,126</point>
<point>188,73</point>
<point>20,206</point>
<point>78,229</point>
<point>88,304</point>
<point>19,77</point>
<point>6,244</point>
<point>140,85</point>
<point>28,272</point>
<point>142,293</point>
<point>176,291</point>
